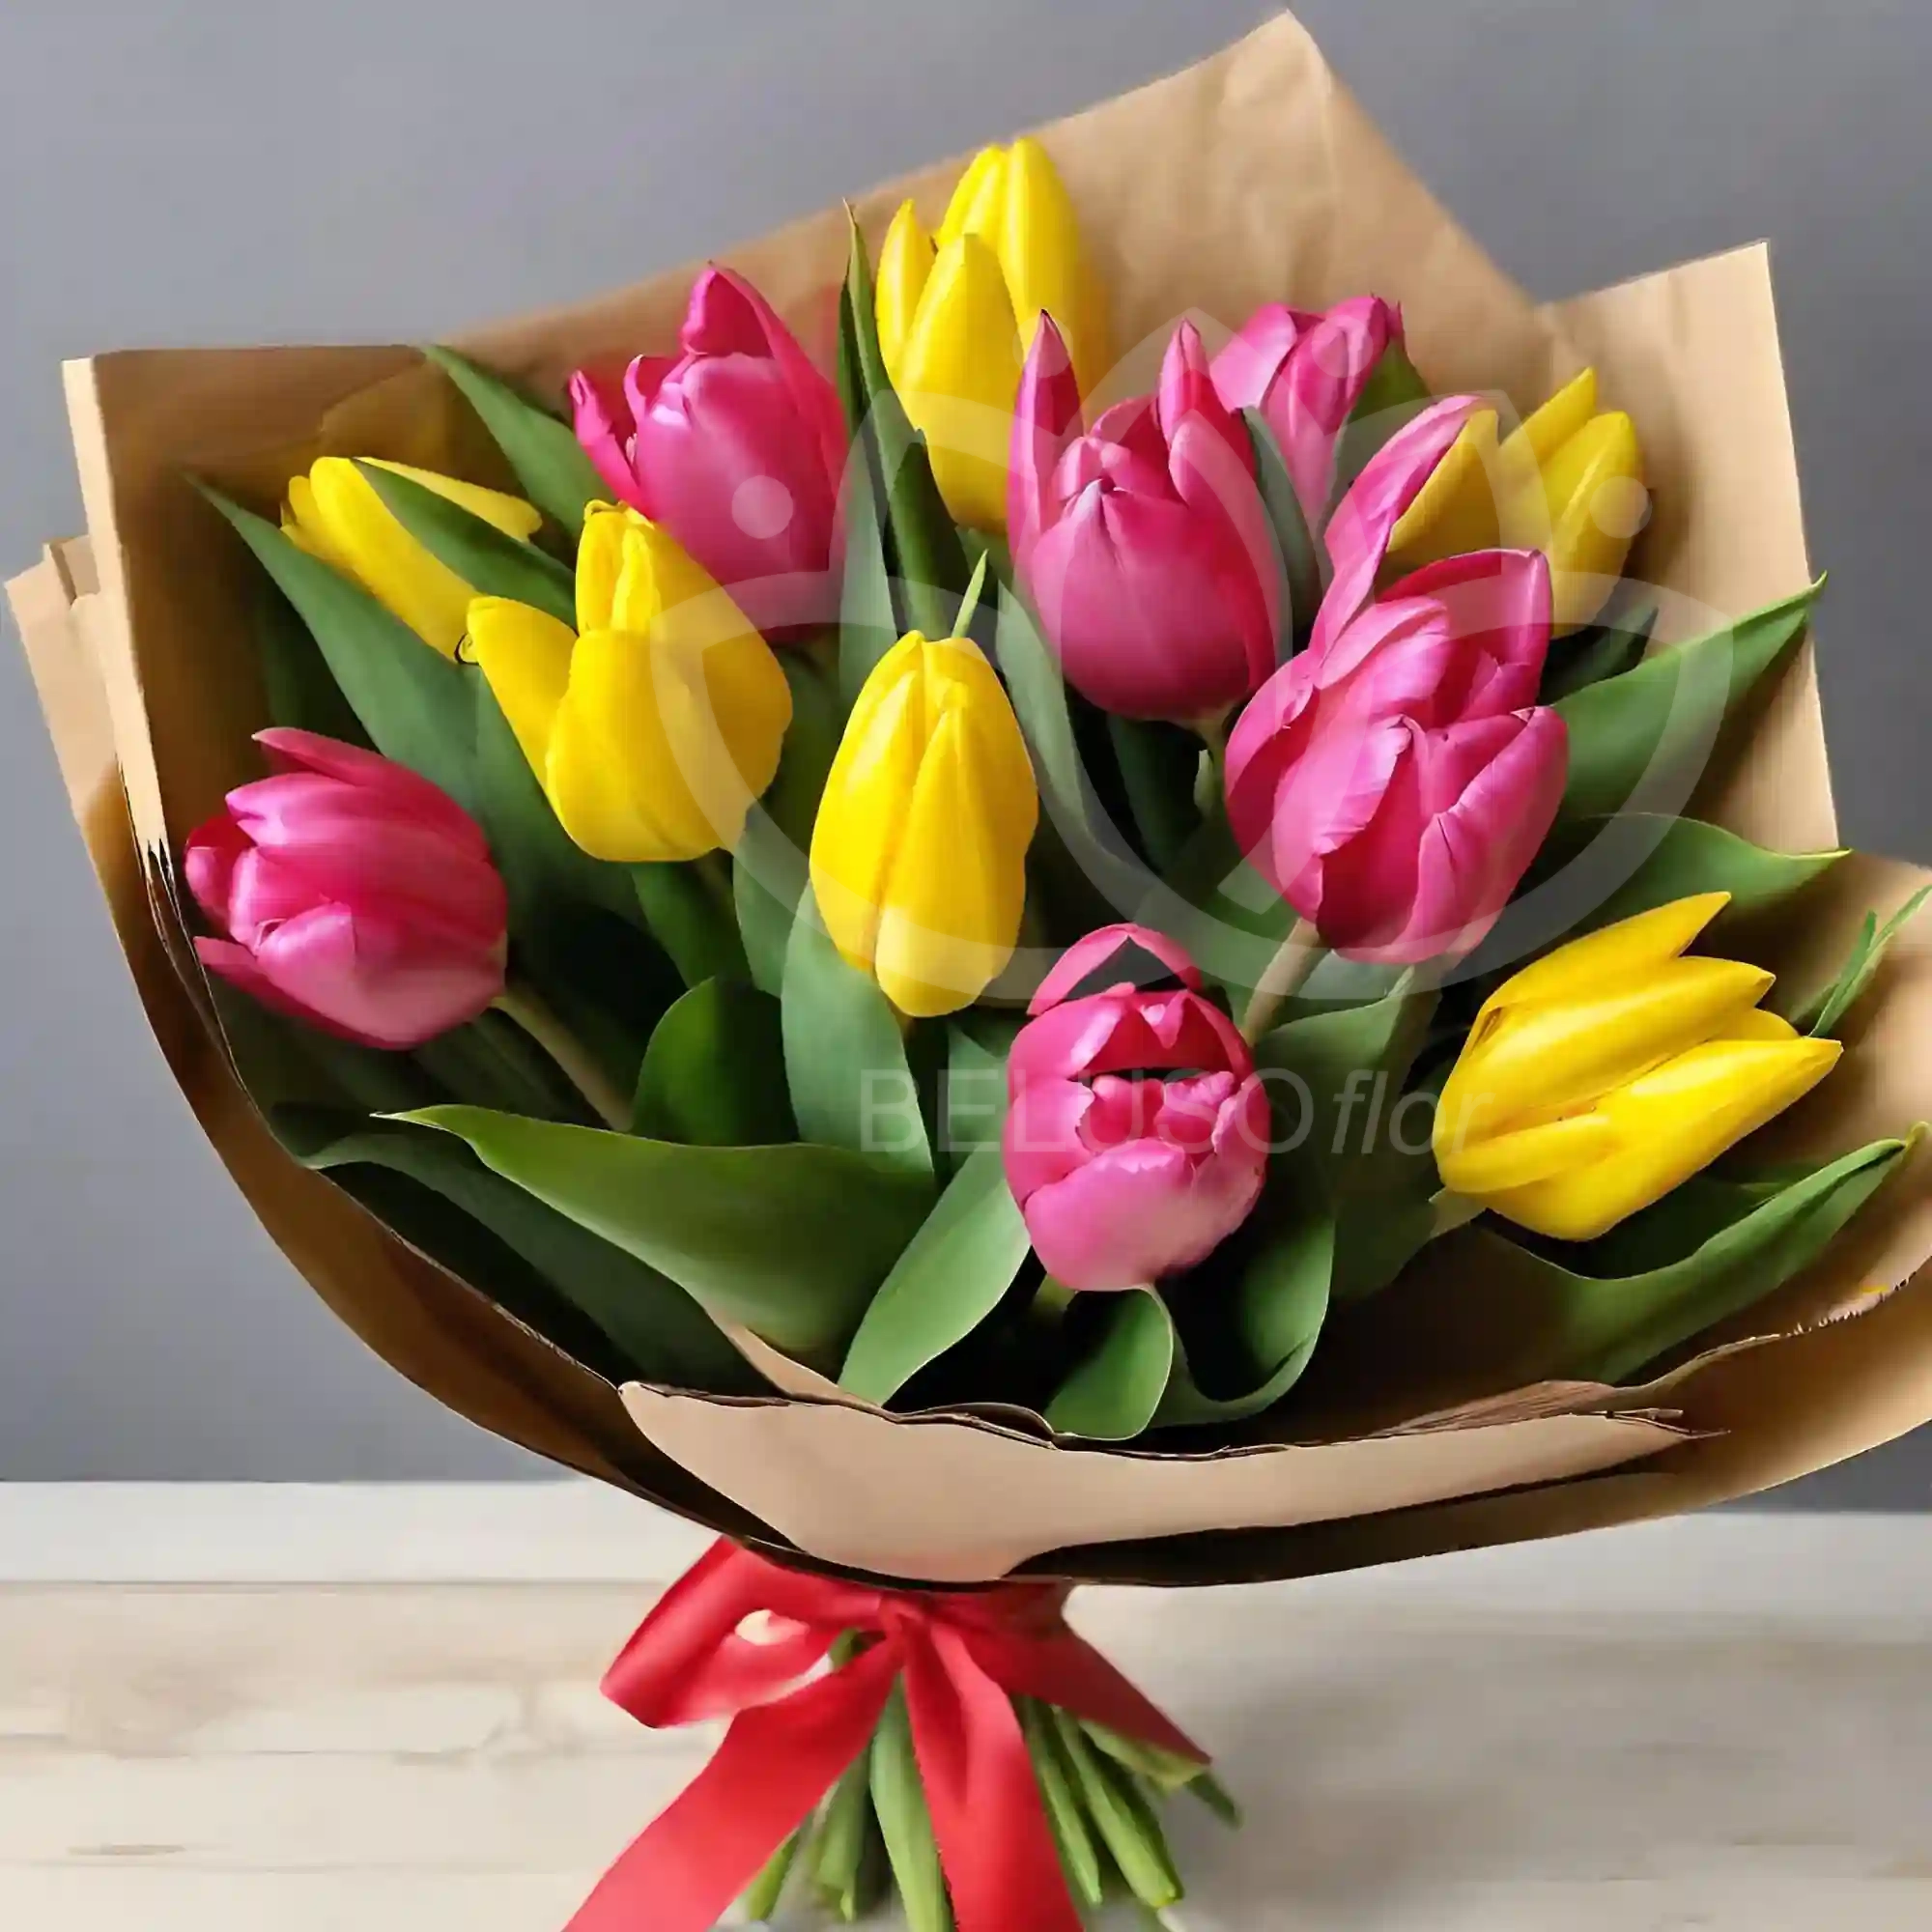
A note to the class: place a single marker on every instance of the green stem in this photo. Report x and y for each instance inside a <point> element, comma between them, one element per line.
<point>1298,956</point>
<point>1050,1303</point>
<point>1452,1210</point>
<point>571,1056</point>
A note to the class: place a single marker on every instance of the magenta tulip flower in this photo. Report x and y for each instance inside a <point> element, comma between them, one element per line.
<point>1126,1176</point>
<point>1142,545</point>
<point>1395,780</point>
<point>354,896</point>
<point>736,447</point>
<point>1305,374</point>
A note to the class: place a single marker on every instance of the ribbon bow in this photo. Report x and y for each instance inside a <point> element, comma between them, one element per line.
<point>740,1637</point>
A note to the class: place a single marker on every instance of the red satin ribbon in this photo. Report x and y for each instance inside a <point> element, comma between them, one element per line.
<point>963,1658</point>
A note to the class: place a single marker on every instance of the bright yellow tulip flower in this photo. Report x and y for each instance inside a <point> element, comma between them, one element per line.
<point>656,723</point>
<point>1569,482</point>
<point>335,514</point>
<point>957,312</point>
<point>919,852</point>
<point>1613,1070</point>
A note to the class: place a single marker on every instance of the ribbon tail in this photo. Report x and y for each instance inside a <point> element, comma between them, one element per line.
<point>995,1844</point>
<point>776,1762</point>
<point>1067,1671</point>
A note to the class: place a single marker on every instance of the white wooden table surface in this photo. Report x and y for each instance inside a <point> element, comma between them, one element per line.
<point>309,1711</point>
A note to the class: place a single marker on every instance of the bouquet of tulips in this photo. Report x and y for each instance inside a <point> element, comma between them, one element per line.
<point>1001,942</point>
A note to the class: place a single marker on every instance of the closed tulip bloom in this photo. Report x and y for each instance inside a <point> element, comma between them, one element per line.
<point>736,447</point>
<point>1609,1072</point>
<point>656,723</point>
<point>334,513</point>
<point>957,311</point>
<point>353,895</point>
<point>1305,373</point>
<point>1569,482</point>
<point>1136,1137</point>
<point>1144,544</point>
<point>919,850</point>
<point>1395,779</point>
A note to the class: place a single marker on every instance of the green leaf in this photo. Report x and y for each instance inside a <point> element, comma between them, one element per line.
<point>492,563</point>
<point>791,1242</point>
<point>1294,547</point>
<point>1607,650</point>
<point>954,1273</point>
<point>1159,765</point>
<point>691,909</point>
<point>898,1797</point>
<point>1668,1274</point>
<point>975,1097</point>
<point>714,1072</point>
<point>868,626</point>
<point>811,743</point>
<point>301,691</point>
<point>411,699</point>
<point>1819,1015</point>
<point>551,465</point>
<point>1632,737</point>
<point>1659,860</point>
<point>1072,1837</point>
<point>846,1058</point>
<point>660,1331</point>
<point>1394,396</point>
<point>840,1845</point>
<point>1122,1817</point>
<point>925,546</point>
<point>768,880</point>
<point>1113,1391</point>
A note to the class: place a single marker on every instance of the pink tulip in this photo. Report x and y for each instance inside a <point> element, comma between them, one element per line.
<point>1305,374</point>
<point>355,895</point>
<point>1395,780</point>
<point>1126,1178</point>
<point>736,447</point>
<point>1144,544</point>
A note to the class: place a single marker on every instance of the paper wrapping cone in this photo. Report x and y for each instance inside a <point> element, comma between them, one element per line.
<point>1253,177</point>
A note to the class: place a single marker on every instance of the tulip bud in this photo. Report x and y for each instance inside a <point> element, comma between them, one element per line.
<point>956,313</point>
<point>1606,1074</point>
<point>736,447</point>
<point>354,896</point>
<point>1569,482</point>
<point>655,724</point>
<point>1136,1138</point>
<point>1305,375</point>
<point>1394,782</point>
<point>919,850</point>
<point>1143,544</point>
<point>334,513</point>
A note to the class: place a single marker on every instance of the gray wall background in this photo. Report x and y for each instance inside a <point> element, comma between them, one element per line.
<point>266,170</point>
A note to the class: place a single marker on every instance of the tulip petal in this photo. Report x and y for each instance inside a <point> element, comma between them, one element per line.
<point>393,983</point>
<point>501,511</point>
<point>1320,387</point>
<point>1540,435</point>
<point>1215,478</point>
<point>858,825</point>
<point>974,206</point>
<point>958,880</point>
<point>389,563</point>
<point>600,563</point>
<point>1618,956</point>
<point>1041,1141</point>
<point>237,965</point>
<point>1087,958</point>
<point>1038,241</point>
<point>1671,1124</point>
<point>524,655</point>
<point>602,419</point>
<point>1480,1167</point>
<point>1045,415</point>
<point>905,267</point>
<point>1593,498</point>
<point>1499,603</point>
<point>262,894</point>
<point>1248,364</point>
<point>406,791</point>
<point>209,859</point>
<point>1364,522</point>
<point>1458,510</point>
<point>958,377</point>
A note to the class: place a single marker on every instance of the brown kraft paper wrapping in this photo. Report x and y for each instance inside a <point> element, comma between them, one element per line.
<point>1250,178</point>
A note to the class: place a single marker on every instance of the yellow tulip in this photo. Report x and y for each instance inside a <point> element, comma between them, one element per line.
<point>1569,482</point>
<point>1613,1070</point>
<point>335,514</point>
<point>656,723</point>
<point>919,852</point>
<point>957,313</point>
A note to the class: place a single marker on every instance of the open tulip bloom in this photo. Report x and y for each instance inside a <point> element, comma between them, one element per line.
<point>852,924</point>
